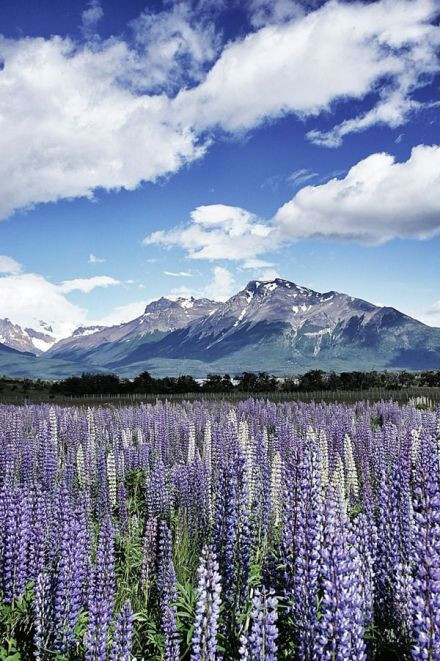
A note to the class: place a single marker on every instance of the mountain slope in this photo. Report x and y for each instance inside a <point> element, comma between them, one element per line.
<point>282,327</point>
<point>276,326</point>
<point>103,346</point>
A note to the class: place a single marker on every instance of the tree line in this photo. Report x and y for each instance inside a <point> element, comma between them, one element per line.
<point>311,381</point>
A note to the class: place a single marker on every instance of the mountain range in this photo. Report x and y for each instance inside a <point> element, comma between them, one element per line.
<point>275,326</point>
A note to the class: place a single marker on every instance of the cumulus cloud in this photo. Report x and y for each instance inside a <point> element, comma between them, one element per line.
<point>28,298</point>
<point>69,126</point>
<point>217,231</point>
<point>219,288</point>
<point>341,50</point>
<point>9,265</point>
<point>114,113</point>
<point>379,199</point>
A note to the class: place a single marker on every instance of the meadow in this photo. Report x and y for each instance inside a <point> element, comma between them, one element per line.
<point>204,530</point>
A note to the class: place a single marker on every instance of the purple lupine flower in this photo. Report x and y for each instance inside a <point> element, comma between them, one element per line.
<point>101,596</point>
<point>426,557</point>
<point>340,630</point>
<point>16,535</point>
<point>259,642</point>
<point>166,585</point>
<point>41,606</point>
<point>204,641</point>
<point>307,540</point>
<point>149,556</point>
<point>122,639</point>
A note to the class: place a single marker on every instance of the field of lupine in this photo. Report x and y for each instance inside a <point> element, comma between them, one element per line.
<point>205,530</point>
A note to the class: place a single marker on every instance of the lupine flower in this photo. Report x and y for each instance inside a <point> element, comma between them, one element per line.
<point>166,584</point>
<point>122,638</point>
<point>259,642</point>
<point>101,596</point>
<point>204,640</point>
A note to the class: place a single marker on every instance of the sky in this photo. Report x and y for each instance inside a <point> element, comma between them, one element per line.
<point>184,148</point>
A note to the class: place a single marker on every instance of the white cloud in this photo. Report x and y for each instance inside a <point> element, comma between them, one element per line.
<point>122,313</point>
<point>176,44</point>
<point>86,285</point>
<point>105,113</point>
<point>340,51</point>
<point>90,17</point>
<point>267,274</point>
<point>9,265</point>
<point>177,274</point>
<point>71,123</point>
<point>27,298</point>
<point>379,199</point>
<point>392,111</point>
<point>263,12</point>
<point>299,177</point>
<point>255,263</point>
<point>93,259</point>
<point>219,288</point>
<point>222,285</point>
<point>217,231</point>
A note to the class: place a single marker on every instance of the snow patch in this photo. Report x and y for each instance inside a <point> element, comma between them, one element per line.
<point>41,345</point>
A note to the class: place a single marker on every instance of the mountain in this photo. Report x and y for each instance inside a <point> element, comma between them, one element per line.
<point>25,339</point>
<point>283,328</point>
<point>103,346</point>
<point>275,326</point>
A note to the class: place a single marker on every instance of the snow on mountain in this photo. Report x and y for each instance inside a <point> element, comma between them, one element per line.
<point>25,339</point>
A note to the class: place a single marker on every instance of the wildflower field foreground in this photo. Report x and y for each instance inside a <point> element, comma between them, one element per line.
<point>206,530</point>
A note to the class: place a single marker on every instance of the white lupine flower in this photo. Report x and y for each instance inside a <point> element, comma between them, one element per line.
<point>191,443</point>
<point>139,436</point>
<point>250,468</point>
<point>323,452</point>
<point>207,446</point>
<point>352,484</point>
<point>265,441</point>
<point>338,480</point>
<point>243,434</point>
<point>232,417</point>
<point>207,460</point>
<point>80,466</point>
<point>91,428</point>
<point>53,426</point>
<point>415,445</point>
<point>111,478</point>
<point>276,487</point>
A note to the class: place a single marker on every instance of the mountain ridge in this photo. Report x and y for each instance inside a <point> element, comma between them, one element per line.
<point>271,325</point>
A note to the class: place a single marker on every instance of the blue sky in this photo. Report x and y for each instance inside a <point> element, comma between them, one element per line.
<point>185,148</point>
